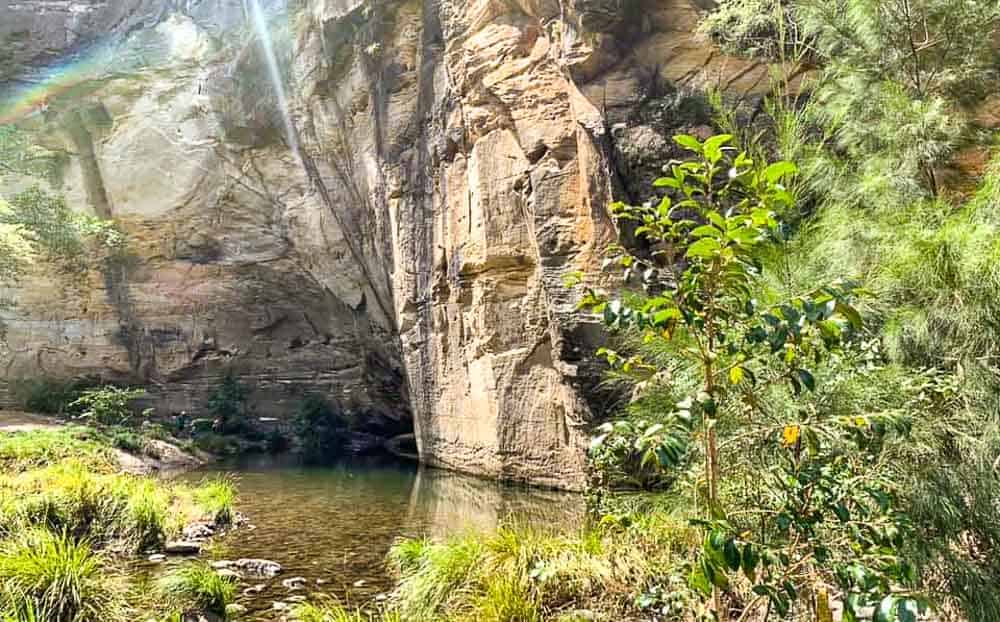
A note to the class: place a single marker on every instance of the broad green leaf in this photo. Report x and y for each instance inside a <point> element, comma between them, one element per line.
<point>667,182</point>
<point>776,171</point>
<point>664,316</point>
<point>886,611</point>
<point>850,313</point>
<point>705,248</point>
<point>732,555</point>
<point>713,146</point>
<point>698,581</point>
<point>688,142</point>
<point>707,231</point>
<point>749,560</point>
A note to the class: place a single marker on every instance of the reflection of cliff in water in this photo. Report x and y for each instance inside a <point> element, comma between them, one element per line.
<point>335,524</point>
<point>446,502</point>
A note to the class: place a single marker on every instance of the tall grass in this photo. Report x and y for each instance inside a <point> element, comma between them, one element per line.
<point>523,575</point>
<point>52,577</point>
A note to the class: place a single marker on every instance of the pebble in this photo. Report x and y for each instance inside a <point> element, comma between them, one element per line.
<point>255,589</point>
<point>296,599</point>
<point>279,606</point>
<point>156,558</point>
<point>359,583</point>
<point>221,563</point>
<point>294,583</point>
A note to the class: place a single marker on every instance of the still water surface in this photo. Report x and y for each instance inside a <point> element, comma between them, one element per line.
<point>334,525</point>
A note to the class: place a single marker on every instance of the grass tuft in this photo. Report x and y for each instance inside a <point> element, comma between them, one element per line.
<point>45,576</point>
<point>196,586</point>
<point>217,498</point>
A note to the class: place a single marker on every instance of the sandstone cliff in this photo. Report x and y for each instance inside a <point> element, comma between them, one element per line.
<point>399,241</point>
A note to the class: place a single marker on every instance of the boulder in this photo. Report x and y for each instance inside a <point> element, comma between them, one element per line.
<point>182,547</point>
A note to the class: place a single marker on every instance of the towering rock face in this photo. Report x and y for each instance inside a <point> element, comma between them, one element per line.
<point>394,231</point>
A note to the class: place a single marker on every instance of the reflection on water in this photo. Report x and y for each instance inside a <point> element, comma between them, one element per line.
<point>336,524</point>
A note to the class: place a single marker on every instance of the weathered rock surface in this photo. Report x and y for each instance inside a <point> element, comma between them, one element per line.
<point>259,567</point>
<point>455,159</point>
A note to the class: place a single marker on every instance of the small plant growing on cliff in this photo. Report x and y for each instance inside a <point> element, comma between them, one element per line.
<point>816,516</point>
<point>108,405</point>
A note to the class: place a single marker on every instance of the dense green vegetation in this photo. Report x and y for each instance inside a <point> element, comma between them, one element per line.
<point>37,225</point>
<point>70,519</point>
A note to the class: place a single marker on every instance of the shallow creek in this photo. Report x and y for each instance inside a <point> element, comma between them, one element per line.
<point>334,525</point>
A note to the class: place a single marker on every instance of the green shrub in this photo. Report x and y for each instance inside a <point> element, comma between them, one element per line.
<point>57,579</point>
<point>196,586</point>
<point>321,428</point>
<point>126,439</point>
<point>47,395</point>
<point>228,405</point>
<point>108,405</point>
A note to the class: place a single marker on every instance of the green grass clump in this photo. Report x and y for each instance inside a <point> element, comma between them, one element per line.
<point>525,575</point>
<point>130,512</point>
<point>20,451</point>
<point>196,586</point>
<point>329,610</point>
<point>45,576</point>
<point>217,498</point>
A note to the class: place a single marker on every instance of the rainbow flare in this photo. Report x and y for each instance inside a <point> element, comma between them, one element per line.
<point>32,93</point>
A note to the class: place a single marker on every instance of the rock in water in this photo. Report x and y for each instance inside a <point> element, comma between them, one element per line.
<point>294,583</point>
<point>182,547</point>
<point>260,567</point>
<point>235,609</point>
<point>254,589</point>
<point>198,531</point>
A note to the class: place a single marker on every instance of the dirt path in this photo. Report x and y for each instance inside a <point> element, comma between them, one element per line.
<point>18,421</point>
